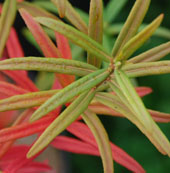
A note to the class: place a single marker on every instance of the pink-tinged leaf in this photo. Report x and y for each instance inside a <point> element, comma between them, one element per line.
<point>13,45</point>
<point>74,145</point>
<point>35,167</point>
<point>25,129</point>
<point>63,46</point>
<point>142,91</point>
<point>11,89</point>
<point>8,163</point>
<point>81,131</point>
<point>7,145</point>
<point>22,81</point>
<point>45,43</point>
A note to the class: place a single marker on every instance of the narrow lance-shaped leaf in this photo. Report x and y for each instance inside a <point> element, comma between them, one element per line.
<point>72,15</point>
<point>70,91</point>
<point>47,46</point>
<point>102,139</point>
<point>76,37</point>
<point>161,32</point>
<point>63,121</point>
<point>133,99</point>
<point>154,54</point>
<point>131,25</point>
<point>147,68</point>
<point>95,30</point>
<point>137,41</point>
<point>35,10</point>
<point>6,21</point>
<point>155,136</point>
<point>61,7</point>
<point>112,9</point>
<point>58,65</point>
<point>26,100</point>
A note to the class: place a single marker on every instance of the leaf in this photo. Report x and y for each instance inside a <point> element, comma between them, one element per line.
<point>8,12</point>
<point>47,46</point>
<point>22,81</point>
<point>131,25</point>
<point>102,139</point>
<point>72,16</point>
<point>137,41</point>
<point>95,29</point>
<point>58,65</point>
<point>161,32</point>
<point>61,5</point>
<point>70,91</point>
<point>132,98</point>
<point>155,136</point>
<point>13,45</point>
<point>147,68</point>
<point>101,109</point>
<point>112,9</point>
<point>76,37</point>
<point>69,115</point>
<point>11,89</point>
<point>81,131</point>
<point>5,146</point>
<point>74,145</point>
<point>28,100</point>
<point>151,55</point>
<point>35,10</point>
<point>25,129</point>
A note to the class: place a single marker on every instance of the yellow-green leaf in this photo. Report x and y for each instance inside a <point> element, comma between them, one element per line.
<point>131,25</point>
<point>102,139</point>
<point>76,37</point>
<point>137,41</point>
<point>74,89</point>
<point>95,30</point>
<point>6,21</point>
<point>72,15</point>
<point>154,54</point>
<point>69,115</point>
<point>57,65</point>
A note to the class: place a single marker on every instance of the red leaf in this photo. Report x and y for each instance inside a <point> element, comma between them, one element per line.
<point>45,43</point>
<point>74,145</point>
<point>22,81</point>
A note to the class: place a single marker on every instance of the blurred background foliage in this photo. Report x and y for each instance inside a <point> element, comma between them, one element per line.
<point>121,131</point>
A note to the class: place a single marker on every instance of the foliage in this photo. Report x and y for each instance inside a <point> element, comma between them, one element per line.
<point>102,84</point>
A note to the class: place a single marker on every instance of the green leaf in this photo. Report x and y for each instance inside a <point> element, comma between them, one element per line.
<point>160,32</point>
<point>72,16</point>
<point>155,136</point>
<point>138,40</point>
<point>133,99</point>
<point>95,30</point>
<point>151,55</point>
<point>147,68</point>
<point>62,122</point>
<point>131,25</point>
<point>57,65</point>
<point>35,10</point>
<point>6,21</point>
<point>112,9</point>
<point>70,91</point>
<point>102,139</point>
<point>76,37</point>
<point>26,100</point>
